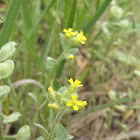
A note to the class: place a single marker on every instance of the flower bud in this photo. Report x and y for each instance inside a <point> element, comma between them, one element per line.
<point>7,51</point>
<point>50,90</point>
<point>54,107</point>
<point>70,56</point>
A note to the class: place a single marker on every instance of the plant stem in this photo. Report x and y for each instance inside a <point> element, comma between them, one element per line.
<point>56,121</point>
<point>55,66</point>
<point>1,129</point>
<point>10,137</point>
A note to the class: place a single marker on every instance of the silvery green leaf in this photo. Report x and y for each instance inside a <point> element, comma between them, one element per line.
<point>6,69</point>
<point>112,95</point>
<point>61,133</point>
<point>42,128</point>
<point>71,137</point>
<point>40,138</point>
<point>24,133</point>
<point>50,62</point>
<point>7,51</point>
<point>72,51</point>
<point>33,96</point>
<point>125,58</point>
<point>63,40</point>
<point>62,89</point>
<point>11,118</point>
<point>137,72</point>
<point>4,90</point>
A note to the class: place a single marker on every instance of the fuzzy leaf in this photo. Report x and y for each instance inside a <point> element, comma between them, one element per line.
<point>112,95</point>
<point>6,69</point>
<point>50,62</point>
<point>4,90</point>
<point>73,51</point>
<point>61,133</point>
<point>125,58</point>
<point>42,129</point>
<point>33,96</point>
<point>11,118</point>
<point>63,40</point>
<point>7,51</point>
<point>24,133</point>
<point>62,89</point>
<point>40,138</point>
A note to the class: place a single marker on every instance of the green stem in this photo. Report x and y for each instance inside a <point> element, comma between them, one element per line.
<point>10,137</point>
<point>1,129</point>
<point>56,121</point>
<point>55,66</point>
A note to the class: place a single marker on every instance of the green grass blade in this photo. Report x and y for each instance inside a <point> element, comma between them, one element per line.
<point>33,29</point>
<point>26,16</point>
<point>97,15</point>
<point>110,104</point>
<point>31,49</point>
<point>72,14</point>
<point>9,21</point>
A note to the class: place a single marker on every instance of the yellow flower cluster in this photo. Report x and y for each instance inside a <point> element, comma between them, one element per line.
<point>81,38</point>
<point>65,99</point>
<point>75,103</point>
<point>69,32</point>
<point>78,38</point>
<point>75,83</point>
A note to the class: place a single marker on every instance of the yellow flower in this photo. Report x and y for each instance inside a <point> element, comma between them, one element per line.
<point>69,32</point>
<point>75,104</point>
<point>70,56</point>
<point>75,83</point>
<point>53,106</point>
<point>81,38</point>
<point>50,90</point>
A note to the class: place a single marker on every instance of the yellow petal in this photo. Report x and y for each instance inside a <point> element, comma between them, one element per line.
<point>75,107</point>
<point>85,103</point>
<point>65,30</point>
<point>71,80</point>
<point>74,97</point>
<point>82,42</point>
<point>68,34</point>
<point>70,29</point>
<point>73,33</point>
<point>69,103</point>
<point>80,103</point>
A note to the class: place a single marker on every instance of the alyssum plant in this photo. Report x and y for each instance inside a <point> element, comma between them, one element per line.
<point>6,70</point>
<point>65,100</point>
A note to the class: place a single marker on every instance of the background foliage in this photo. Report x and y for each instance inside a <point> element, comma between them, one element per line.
<point>108,64</point>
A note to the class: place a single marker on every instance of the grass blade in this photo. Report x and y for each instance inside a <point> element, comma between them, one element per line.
<point>106,105</point>
<point>31,49</point>
<point>33,29</point>
<point>9,21</point>
<point>97,15</point>
<point>72,14</point>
